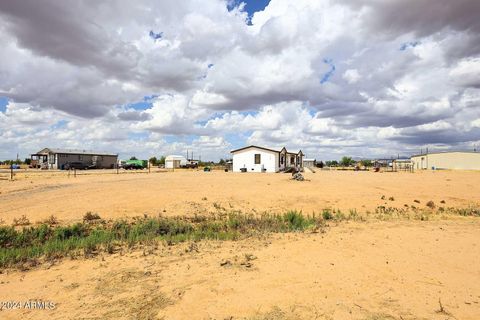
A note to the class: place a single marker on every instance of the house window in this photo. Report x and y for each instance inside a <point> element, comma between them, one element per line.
<point>257,158</point>
<point>80,157</point>
<point>292,160</point>
<point>282,159</point>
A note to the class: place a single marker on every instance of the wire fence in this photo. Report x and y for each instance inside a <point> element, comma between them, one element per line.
<point>13,174</point>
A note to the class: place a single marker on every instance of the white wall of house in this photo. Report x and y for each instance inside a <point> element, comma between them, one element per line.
<point>246,159</point>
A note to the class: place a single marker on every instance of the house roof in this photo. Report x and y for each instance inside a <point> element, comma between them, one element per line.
<point>266,149</point>
<point>442,152</point>
<point>73,151</point>
<point>252,146</point>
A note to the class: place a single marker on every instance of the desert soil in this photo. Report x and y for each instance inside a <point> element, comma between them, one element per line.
<point>369,270</point>
<point>373,269</point>
<point>39,195</point>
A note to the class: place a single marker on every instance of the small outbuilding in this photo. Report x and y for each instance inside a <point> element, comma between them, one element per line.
<point>173,162</point>
<point>458,160</point>
<point>309,163</point>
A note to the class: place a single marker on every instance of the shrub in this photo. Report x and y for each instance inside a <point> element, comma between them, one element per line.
<point>7,236</point>
<point>52,220</point>
<point>430,204</point>
<point>90,216</point>
<point>327,214</point>
<point>22,221</point>
<point>76,230</point>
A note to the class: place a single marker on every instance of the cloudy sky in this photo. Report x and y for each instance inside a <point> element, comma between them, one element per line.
<point>364,78</point>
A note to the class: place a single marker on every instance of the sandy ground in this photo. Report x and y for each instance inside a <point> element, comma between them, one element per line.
<point>369,270</point>
<point>41,194</point>
<point>355,270</point>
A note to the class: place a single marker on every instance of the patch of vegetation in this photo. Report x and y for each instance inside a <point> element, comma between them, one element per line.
<point>327,214</point>
<point>430,204</point>
<point>31,243</point>
<point>52,220</point>
<point>90,216</point>
<point>22,221</point>
<point>466,212</point>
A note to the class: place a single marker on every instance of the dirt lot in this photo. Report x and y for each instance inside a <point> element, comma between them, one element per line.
<point>39,195</point>
<point>394,269</point>
<point>378,270</point>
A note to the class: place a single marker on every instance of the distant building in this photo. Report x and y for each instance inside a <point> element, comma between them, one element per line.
<point>173,161</point>
<point>260,159</point>
<point>49,158</point>
<point>402,164</point>
<point>462,160</point>
<point>309,163</point>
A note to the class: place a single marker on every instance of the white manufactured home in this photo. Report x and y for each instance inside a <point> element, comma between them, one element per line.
<point>260,159</point>
<point>50,158</point>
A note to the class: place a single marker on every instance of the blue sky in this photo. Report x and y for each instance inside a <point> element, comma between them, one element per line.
<point>253,6</point>
<point>3,103</point>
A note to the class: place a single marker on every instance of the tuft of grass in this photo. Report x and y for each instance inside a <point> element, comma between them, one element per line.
<point>327,214</point>
<point>391,199</point>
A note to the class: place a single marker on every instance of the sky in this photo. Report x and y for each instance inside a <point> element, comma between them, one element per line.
<point>363,78</point>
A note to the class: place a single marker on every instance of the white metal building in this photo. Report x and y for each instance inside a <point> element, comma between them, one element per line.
<point>462,160</point>
<point>260,159</point>
<point>174,161</point>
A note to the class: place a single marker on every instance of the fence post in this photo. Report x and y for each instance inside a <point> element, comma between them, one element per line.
<point>11,172</point>
<point>75,172</point>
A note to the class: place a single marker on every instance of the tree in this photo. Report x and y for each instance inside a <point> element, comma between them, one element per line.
<point>153,161</point>
<point>161,161</point>
<point>133,158</point>
<point>367,163</point>
<point>221,162</point>
<point>320,164</point>
<point>346,161</point>
<point>28,161</point>
<point>332,163</point>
